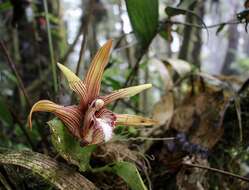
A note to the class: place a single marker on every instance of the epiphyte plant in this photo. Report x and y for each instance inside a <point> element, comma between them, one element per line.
<point>91,122</point>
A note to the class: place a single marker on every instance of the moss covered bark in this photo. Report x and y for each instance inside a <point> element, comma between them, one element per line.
<point>58,174</point>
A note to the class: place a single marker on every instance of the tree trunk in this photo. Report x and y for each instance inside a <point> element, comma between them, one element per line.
<point>233,37</point>
<point>197,44</point>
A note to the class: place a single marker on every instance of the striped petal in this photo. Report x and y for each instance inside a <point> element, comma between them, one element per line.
<point>134,120</point>
<point>96,70</point>
<point>70,115</point>
<point>75,84</point>
<point>98,124</point>
<point>125,93</point>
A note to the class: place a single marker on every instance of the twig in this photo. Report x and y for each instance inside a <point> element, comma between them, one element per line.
<point>23,128</point>
<point>36,83</point>
<point>132,107</point>
<point>71,48</point>
<point>15,72</point>
<point>20,84</point>
<point>148,138</point>
<point>88,17</point>
<point>217,171</point>
<point>201,26</point>
<point>130,77</point>
<point>4,182</point>
<point>51,49</point>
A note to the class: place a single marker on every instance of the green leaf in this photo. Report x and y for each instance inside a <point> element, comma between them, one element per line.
<point>143,16</point>
<point>185,4</point>
<point>68,147</point>
<point>5,114</point>
<point>130,175</point>
<point>127,171</point>
<point>183,9</point>
<point>5,6</point>
<point>220,28</point>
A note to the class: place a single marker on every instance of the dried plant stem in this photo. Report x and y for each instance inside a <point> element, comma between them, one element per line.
<point>217,171</point>
<point>87,17</point>
<point>15,72</point>
<point>4,182</point>
<point>202,27</point>
<point>23,128</point>
<point>51,49</point>
<point>149,139</point>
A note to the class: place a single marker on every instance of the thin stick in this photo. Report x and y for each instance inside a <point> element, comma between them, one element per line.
<point>23,128</point>
<point>16,73</point>
<point>51,49</point>
<point>72,46</point>
<point>19,81</point>
<point>202,27</point>
<point>88,16</point>
<point>149,139</point>
<point>130,76</point>
<point>217,171</point>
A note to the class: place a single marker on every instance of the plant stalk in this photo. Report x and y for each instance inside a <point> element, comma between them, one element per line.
<point>51,49</point>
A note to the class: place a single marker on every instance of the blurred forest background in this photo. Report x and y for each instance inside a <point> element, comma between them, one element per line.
<point>196,55</point>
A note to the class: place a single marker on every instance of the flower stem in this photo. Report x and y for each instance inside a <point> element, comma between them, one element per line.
<point>51,50</point>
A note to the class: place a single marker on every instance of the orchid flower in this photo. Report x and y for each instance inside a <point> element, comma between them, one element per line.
<point>90,121</point>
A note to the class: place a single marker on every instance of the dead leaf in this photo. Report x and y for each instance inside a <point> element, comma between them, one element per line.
<point>163,110</point>
<point>180,66</point>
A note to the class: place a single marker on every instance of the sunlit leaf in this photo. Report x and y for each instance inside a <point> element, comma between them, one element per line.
<point>180,66</point>
<point>143,15</point>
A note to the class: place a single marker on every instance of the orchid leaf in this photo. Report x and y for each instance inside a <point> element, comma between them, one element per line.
<point>127,171</point>
<point>143,16</point>
<point>68,147</point>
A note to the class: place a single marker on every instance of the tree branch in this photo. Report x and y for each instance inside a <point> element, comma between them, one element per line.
<point>217,171</point>
<point>58,174</point>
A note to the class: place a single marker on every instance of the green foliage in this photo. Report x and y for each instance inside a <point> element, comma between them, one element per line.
<point>143,15</point>
<point>71,150</point>
<point>68,147</point>
<point>183,9</point>
<point>5,6</point>
<point>127,171</point>
<point>130,175</point>
<point>5,114</point>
